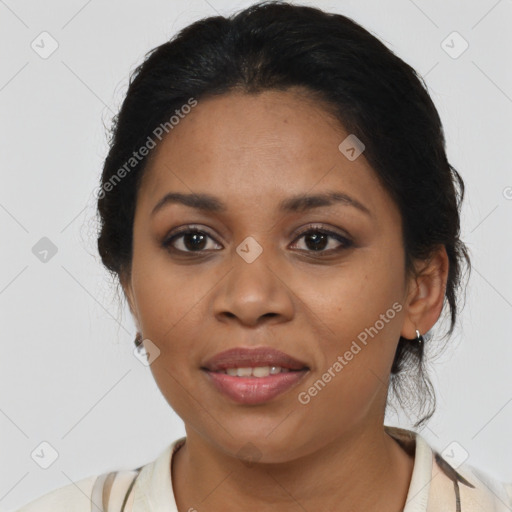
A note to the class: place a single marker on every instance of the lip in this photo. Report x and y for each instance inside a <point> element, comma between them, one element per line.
<point>239,357</point>
<point>254,390</point>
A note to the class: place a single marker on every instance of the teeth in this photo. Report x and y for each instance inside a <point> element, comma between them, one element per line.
<point>259,371</point>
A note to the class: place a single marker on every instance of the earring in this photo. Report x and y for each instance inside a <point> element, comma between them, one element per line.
<point>138,339</point>
<point>419,338</point>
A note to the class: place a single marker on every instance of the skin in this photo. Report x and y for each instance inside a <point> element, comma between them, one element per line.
<point>252,151</point>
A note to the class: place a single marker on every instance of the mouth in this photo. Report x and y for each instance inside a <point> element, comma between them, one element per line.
<point>251,390</point>
<point>258,372</point>
<point>253,376</point>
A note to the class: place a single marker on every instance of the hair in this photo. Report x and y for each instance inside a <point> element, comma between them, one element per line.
<point>375,95</point>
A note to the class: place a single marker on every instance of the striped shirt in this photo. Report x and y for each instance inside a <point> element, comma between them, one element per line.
<point>438,484</point>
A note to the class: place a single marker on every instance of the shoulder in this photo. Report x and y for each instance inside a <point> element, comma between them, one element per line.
<point>90,494</point>
<point>446,481</point>
<point>111,490</point>
<point>489,493</point>
<point>75,497</point>
<point>477,490</point>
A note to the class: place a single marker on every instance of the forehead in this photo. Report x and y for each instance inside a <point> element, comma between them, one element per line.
<point>239,146</point>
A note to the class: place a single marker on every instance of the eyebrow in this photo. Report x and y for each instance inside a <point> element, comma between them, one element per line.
<point>298,203</point>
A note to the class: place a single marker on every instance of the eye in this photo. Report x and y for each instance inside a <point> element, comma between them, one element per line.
<point>189,239</point>
<point>316,239</point>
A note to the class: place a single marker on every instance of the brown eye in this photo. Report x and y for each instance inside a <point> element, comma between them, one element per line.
<point>188,240</point>
<point>317,240</point>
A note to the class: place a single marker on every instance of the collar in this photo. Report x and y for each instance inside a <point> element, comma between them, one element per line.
<point>153,490</point>
<point>419,487</point>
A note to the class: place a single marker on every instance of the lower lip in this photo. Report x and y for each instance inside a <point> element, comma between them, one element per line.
<point>254,390</point>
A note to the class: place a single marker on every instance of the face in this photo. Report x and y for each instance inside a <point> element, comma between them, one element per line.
<point>323,282</point>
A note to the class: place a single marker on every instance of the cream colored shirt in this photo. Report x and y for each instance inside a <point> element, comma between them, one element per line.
<point>432,487</point>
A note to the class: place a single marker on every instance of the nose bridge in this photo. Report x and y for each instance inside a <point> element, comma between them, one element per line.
<point>253,287</point>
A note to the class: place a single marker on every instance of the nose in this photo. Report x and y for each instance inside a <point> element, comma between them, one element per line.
<point>253,292</point>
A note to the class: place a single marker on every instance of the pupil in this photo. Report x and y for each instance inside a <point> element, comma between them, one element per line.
<point>319,240</point>
<point>197,237</point>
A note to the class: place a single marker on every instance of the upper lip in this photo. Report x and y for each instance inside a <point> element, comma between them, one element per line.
<point>241,357</point>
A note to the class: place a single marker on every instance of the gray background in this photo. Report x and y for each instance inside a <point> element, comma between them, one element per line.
<point>68,374</point>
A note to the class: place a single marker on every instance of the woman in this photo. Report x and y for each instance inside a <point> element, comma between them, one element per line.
<point>279,210</point>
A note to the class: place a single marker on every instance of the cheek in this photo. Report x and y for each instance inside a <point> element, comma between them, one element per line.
<point>355,363</point>
<point>357,313</point>
<point>342,398</point>
<point>170,315</point>
<point>168,296</point>
<point>352,297</point>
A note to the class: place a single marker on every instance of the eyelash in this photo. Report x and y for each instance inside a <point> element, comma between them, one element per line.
<point>190,229</point>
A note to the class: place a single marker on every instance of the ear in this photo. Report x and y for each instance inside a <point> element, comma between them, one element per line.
<point>426,294</point>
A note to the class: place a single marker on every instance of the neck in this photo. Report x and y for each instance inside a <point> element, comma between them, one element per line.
<point>365,468</point>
